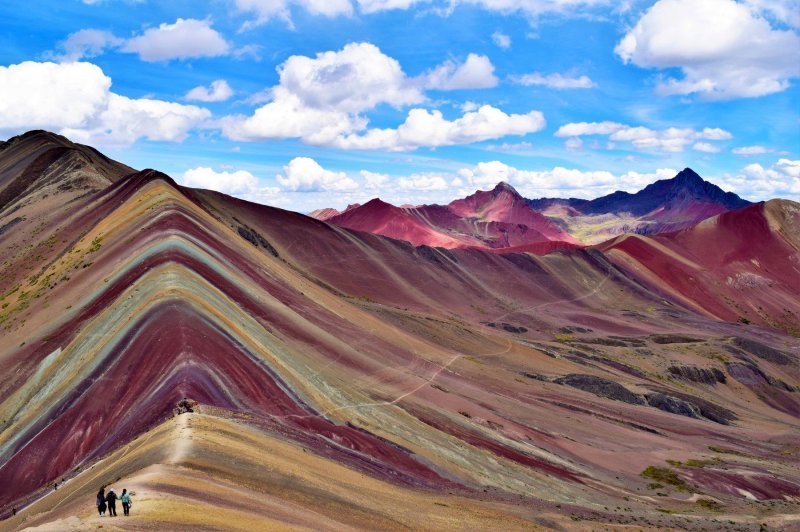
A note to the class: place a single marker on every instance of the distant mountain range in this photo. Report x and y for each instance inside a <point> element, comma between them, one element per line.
<point>502,220</point>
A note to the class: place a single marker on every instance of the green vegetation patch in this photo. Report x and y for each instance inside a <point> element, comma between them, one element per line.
<point>708,504</point>
<point>665,475</point>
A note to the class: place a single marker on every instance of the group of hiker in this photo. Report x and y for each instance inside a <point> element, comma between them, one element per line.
<point>109,501</point>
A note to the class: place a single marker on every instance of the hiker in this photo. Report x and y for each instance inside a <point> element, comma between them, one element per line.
<point>111,500</point>
<point>126,501</point>
<point>101,502</point>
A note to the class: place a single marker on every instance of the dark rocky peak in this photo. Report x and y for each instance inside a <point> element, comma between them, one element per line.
<point>502,186</point>
<point>40,137</point>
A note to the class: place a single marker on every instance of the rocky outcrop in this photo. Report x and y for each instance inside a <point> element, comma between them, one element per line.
<point>674,339</point>
<point>601,387</point>
<point>673,405</point>
<point>514,329</point>
<point>710,376</point>
<point>689,405</point>
<point>762,351</point>
<point>252,236</point>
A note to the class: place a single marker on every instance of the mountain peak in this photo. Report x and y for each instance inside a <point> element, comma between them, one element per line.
<point>39,137</point>
<point>687,174</point>
<point>688,178</point>
<point>502,186</point>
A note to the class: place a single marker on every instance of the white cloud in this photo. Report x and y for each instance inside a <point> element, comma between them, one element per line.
<point>706,147</point>
<point>306,175</point>
<point>321,98</point>
<point>218,91</point>
<point>288,117</point>
<point>423,128</point>
<point>502,40</point>
<point>424,181</point>
<point>573,143</point>
<point>477,72</point>
<point>86,43</point>
<point>715,133</point>
<point>752,150</point>
<point>754,181</point>
<point>75,99</point>
<point>185,39</point>
<point>356,78</point>
<point>555,81</point>
<point>321,101</point>
<point>642,138</point>
<point>724,49</point>
<point>374,180</point>
<point>238,182</point>
<point>576,129</point>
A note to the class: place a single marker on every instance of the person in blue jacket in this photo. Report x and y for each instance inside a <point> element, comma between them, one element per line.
<point>125,499</point>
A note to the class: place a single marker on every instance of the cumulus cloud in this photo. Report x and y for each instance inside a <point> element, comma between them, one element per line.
<point>559,181</point>
<point>238,182</point>
<point>642,138</point>
<point>218,91</point>
<point>554,81</point>
<point>724,48</point>
<point>755,181</point>
<point>424,181</point>
<point>322,101</point>
<point>706,147</point>
<point>356,78</point>
<point>477,72</point>
<point>373,179</point>
<point>423,128</point>
<point>306,175</point>
<point>75,99</point>
<point>576,129</point>
<point>502,40</point>
<point>185,39</point>
<point>321,98</point>
<point>573,143</point>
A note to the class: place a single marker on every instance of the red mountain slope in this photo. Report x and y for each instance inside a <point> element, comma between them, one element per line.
<point>499,219</point>
<point>740,265</point>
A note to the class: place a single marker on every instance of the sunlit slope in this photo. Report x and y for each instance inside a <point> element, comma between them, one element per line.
<point>209,471</point>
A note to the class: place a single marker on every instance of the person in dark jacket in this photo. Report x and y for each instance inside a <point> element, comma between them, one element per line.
<point>111,500</point>
<point>101,502</point>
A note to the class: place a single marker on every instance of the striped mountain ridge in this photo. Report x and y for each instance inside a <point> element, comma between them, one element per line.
<point>336,378</point>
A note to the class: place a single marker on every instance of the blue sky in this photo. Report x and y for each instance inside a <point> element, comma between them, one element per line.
<point>311,103</point>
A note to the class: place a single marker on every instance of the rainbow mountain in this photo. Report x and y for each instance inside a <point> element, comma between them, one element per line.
<point>239,366</point>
